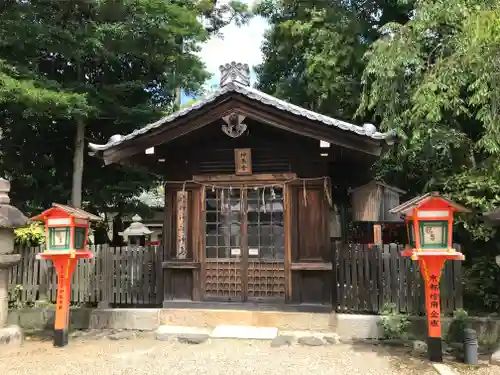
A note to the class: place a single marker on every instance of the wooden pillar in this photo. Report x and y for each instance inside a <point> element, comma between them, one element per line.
<point>377,234</point>
<point>195,234</point>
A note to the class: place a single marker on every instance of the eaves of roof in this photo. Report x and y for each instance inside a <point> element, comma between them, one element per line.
<point>367,130</point>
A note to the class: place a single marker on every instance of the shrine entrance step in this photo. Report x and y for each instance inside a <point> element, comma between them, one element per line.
<point>211,318</point>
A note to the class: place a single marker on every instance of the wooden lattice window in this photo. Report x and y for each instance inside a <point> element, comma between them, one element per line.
<point>265,230</point>
<point>223,223</point>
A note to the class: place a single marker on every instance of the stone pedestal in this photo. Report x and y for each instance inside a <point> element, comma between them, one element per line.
<point>4,296</point>
<point>10,335</point>
<point>10,218</point>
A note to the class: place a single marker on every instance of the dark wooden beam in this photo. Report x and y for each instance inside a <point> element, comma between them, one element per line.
<point>139,165</point>
<point>256,178</point>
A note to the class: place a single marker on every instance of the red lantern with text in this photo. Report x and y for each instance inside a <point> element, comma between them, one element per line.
<point>429,221</point>
<point>66,230</point>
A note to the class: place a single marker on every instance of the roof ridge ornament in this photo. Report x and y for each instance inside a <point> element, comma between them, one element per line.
<point>234,72</point>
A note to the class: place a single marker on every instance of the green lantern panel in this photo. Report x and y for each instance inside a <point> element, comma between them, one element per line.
<point>79,238</point>
<point>433,234</point>
<point>59,238</point>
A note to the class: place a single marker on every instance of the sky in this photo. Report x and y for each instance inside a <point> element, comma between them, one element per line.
<point>239,44</point>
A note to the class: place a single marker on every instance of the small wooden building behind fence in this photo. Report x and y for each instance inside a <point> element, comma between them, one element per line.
<point>364,279</point>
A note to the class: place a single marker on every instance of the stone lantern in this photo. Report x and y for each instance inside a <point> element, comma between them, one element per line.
<point>136,233</point>
<point>10,218</point>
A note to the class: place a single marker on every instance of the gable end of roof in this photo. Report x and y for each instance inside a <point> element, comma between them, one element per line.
<point>367,130</point>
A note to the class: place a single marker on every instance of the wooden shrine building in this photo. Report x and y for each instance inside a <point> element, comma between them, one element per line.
<point>249,185</point>
<point>371,205</point>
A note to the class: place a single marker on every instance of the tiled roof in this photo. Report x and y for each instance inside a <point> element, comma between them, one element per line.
<point>367,130</point>
<point>76,212</point>
<point>71,211</point>
<point>417,201</point>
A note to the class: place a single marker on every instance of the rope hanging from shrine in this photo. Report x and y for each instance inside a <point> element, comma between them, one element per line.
<point>267,187</point>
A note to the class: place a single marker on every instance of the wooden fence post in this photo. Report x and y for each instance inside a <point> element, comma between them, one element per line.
<point>41,276</point>
<point>334,278</point>
<point>44,280</point>
<point>369,277</point>
<point>158,274</point>
<point>105,258</point>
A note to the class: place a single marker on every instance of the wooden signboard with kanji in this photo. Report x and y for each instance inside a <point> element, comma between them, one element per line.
<point>243,161</point>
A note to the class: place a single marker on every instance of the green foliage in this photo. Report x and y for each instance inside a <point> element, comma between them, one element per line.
<point>313,51</point>
<point>394,324</point>
<point>34,93</point>
<point>461,315</point>
<point>435,79</point>
<point>328,49</point>
<point>457,326</point>
<point>481,284</point>
<point>430,71</point>
<point>461,319</point>
<point>32,235</point>
<point>115,64</point>
<point>15,297</point>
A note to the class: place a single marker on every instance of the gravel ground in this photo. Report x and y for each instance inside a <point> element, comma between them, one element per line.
<point>148,356</point>
<point>476,370</point>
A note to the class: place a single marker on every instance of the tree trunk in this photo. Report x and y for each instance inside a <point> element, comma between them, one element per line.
<point>76,191</point>
<point>118,226</point>
<point>177,101</point>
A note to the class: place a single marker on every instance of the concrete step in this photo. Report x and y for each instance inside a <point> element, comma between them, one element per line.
<point>345,325</point>
<point>244,332</point>
<point>237,332</point>
<point>181,330</point>
<point>212,318</point>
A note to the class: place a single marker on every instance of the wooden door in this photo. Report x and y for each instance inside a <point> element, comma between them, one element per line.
<point>310,251</point>
<point>224,264</point>
<point>244,245</point>
<point>265,245</point>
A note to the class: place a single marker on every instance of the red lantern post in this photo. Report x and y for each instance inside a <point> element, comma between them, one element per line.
<point>429,221</point>
<point>66,230</point>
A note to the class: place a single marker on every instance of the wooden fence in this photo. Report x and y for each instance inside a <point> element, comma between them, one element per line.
<point>364,279</point>
<point>367,278</point>
<point>123,276</point>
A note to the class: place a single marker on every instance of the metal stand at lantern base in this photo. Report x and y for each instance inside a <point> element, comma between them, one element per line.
<point>64,264</point>
<point>435,349</point>
<point>60,337</point>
